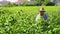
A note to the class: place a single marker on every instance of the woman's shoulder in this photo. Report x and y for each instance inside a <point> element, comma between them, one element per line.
<point>46,15</point>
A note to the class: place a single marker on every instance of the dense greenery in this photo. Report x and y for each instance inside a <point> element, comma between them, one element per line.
<point>21,20</point>
<point>32,3</point>
<point>44,2</point>
<point>37,3</point>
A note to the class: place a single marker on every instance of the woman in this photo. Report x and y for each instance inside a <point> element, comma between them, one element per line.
<point>41,14</point>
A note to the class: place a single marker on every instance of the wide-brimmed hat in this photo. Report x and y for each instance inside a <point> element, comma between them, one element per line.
<point>42,9</point>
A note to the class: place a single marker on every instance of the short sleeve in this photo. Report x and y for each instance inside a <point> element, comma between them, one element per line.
<point>45,17</point>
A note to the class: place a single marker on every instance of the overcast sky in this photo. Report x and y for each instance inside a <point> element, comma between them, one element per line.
<point>0,0</point>
<point>10,0</point>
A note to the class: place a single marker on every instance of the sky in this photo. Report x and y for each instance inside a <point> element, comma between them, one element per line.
<point>28,0</point>
<point>0,0</point>
<point>11,0</point>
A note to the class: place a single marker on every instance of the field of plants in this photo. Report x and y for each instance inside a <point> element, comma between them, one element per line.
<point>21,20</point>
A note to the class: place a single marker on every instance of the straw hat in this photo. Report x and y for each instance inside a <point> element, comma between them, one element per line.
<point>42,9</point>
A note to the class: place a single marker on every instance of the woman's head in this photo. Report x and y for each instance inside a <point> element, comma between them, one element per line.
<point>42,11</point>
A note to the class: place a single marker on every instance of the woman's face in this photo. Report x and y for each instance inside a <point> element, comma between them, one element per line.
<point>41,13</point>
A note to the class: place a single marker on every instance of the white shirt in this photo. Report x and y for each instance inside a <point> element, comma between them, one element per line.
<point>39,16</point>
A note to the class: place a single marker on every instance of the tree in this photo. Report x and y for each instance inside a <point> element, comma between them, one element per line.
<point>44,2</point>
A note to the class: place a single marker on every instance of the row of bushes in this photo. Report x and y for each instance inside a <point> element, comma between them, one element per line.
<point>39,4</point>
<point>35,4</point>
<point>30,4</point>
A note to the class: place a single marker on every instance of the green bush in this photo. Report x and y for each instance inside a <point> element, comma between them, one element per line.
<point>22,21</point>
<point>50,4</point>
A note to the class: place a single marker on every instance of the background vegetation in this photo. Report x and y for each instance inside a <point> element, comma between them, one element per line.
<point>32,3</point>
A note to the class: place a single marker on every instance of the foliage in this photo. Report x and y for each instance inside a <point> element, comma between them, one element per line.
<point>9,5</point>
<point>24,4</point>
<point>29,4</point>
<point>21,20</point>
<point>35,3</point>
<point>44,2</point>
<point>50,4</point>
